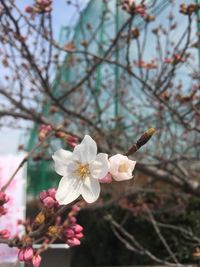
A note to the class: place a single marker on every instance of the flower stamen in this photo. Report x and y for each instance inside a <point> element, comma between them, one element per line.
<point>123,167</point>
<point>82,170</point>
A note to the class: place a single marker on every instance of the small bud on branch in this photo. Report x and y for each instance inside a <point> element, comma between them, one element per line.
<point>141,141</point>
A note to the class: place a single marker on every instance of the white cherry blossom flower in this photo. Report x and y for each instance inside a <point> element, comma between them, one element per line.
<point>81,171</point>
<point>121,167</point>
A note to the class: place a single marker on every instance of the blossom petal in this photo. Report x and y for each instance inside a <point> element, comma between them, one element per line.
<point>90,189</point>
<point>99,167</point>
<point>61,158</point>
<point>114,164</point>
<point>123,176</point>
<point>86,151</point>
<point>68,190</point>
<point>132,164</point>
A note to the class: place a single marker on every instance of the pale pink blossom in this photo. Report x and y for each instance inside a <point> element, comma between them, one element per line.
<point>121,167</point>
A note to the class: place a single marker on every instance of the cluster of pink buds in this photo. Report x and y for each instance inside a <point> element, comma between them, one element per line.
<point>28,255</point>
<point>71,140</point>
<point>44,130</point>
<point>69,230</point>
<point>146,65</point>
<point>40,6</point>
<point>72,232</point>
<point>5,234</point>
<point>175,59</point>
<point>131,7</point>
<point>3,200</point>
<point>48,198</point>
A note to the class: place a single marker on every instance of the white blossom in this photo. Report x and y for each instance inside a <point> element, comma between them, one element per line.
<point>81,171</point>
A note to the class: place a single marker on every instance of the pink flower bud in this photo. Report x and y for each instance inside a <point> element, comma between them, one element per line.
<point>6,198</point>
<point>3,198</point>
<point>43,195</point>
<point>107,179</point>
<point>69,233</point>
<point>52,192</point>
<point>28,254</point>
<point>73,242</point>
<point>43,131</point>
<point>168,60</point>
<point>48,9</point>
<point>75,208</point>
<point>79,235</point>
<point>72,144</point>
<point>49,202</point>
<point>29,9</point>
<point>43,2</point>
<point>72,140</point>
<point>58,220</point>
<point>77,228</point>
<point>25,254</point>
<point>46,127</point>
<point>36,260</point>
<point>72,219</point>
<point>3,211</point>
<point>141,10</point>
<point>21,255</point>
<point>5,234</point>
